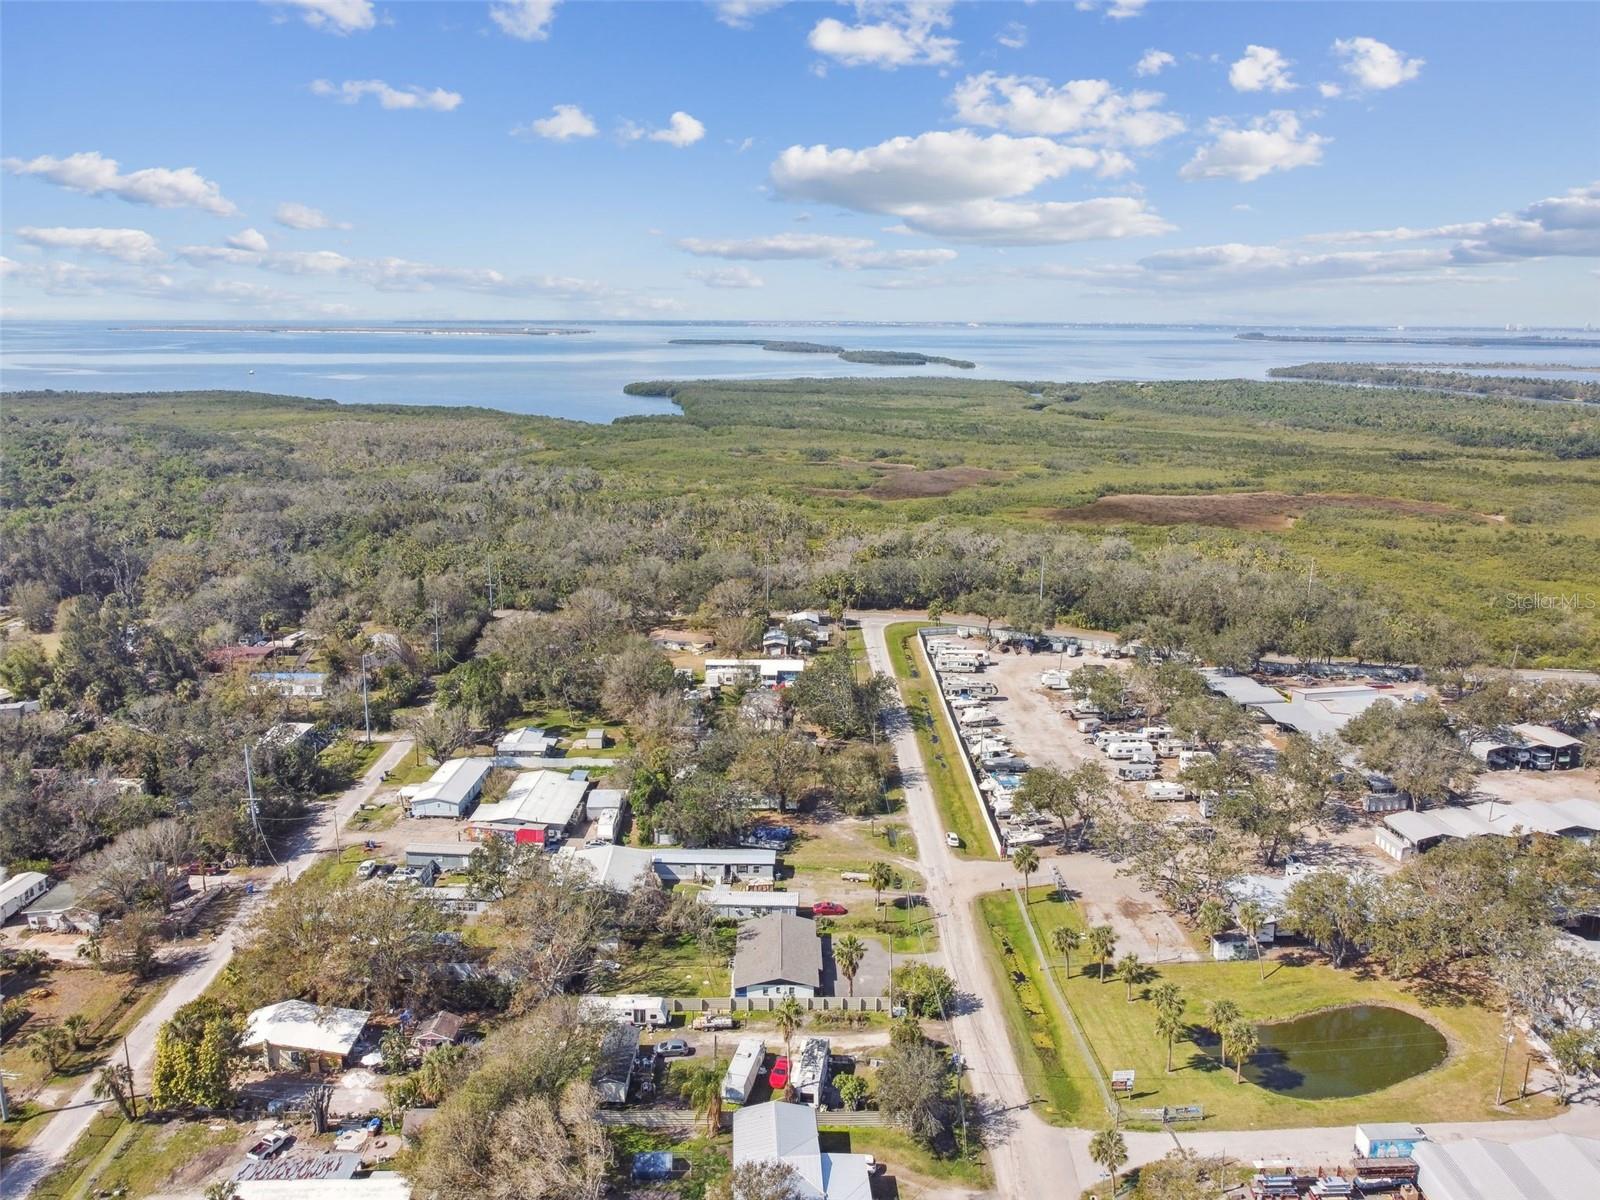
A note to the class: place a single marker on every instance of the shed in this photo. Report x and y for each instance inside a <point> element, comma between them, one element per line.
<point>592,739</point>
<point>743,1071</point>
<point>441,1029</point>
<point>296,1034</point>
<point>1391,1140</point>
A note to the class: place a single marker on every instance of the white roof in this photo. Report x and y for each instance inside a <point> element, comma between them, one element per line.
<point>615,866</point>
<point>721,896</point>
<point>1316,711</point>
<point>714,856</point>
<point>1543,735</point>
<point>452,782</point>
<point>380,1185</point>
<point>299,1025</point>
<point>536,798</point>
<point>1502,818</point>
<point>606,798</point>
<point>1556,1167</point>
<point>525,741</point>
<point>20,885</point>
<point>1241,689</point>
<point>762,1132</point>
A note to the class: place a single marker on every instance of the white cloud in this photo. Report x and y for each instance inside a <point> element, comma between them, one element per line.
<point>126,245</point>
<point>1117,10</point>
<point>896,260</point>
<point>740,13</point>
<point>525,20</point>
<point>566,122</point>
<point>1017,223</point>
<point>779,245</point>
<point>248,239</point>
<point>335,16</point>
<point>1089,109</point>
<point>1374,66</point>
<point>682,130</point>
<point>411,96</point>
<point>303,216</point>
<point>1566,226</point>
<point>1013,35</point>
<point>1271,143</point>
<point>1329,91</point>
<point>904,37</point>
<point>1153,62</point>
<point>929,169</point>
<point>1262,69</point>
<point>728,277</point>
<point>94,174</point>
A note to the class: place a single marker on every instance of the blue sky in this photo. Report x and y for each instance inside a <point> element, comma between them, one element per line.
<point>1102,160</point>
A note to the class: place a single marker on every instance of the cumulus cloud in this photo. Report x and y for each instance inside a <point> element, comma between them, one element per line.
<point>303,216</point>
<point>728,277</point>
<point>1565,226</point>
<point>741,13</point>
<point>335,16</point>
<point>525,20</point>
<point>126,245</point>
<point>1329,91</point>
<point>1374,66</point>
<point>1153,62</point>
<point>905,35</point>
<point>1117,10</point>
<point>1271,143</point>
<point>566,122</point>
<point>896,260</point>
<point>1262,69</point>
<point>94,174</point>
<point>777,246</point>
<point>412,96</point>
<point>682,130</point>
<point>1088,109</point>
<point>248,239</point>
<point>1021,223</point>
<point>1013,35</point>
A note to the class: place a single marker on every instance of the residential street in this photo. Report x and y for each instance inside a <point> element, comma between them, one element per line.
<point>47,1150</point>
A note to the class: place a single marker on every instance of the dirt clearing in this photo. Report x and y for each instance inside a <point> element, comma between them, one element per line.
<point>1242,510</point>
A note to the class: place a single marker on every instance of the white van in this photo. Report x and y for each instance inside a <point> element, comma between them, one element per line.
<point>1165,791</point>
<point>1089,724</point>
<point>1136,772</point>
<point>1190,758</point>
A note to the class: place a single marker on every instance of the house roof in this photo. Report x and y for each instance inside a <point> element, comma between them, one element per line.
<point>452,783</point>
<point>299,1025</point>
<point>763,1132</point>
<point>442,1024</point>
<point>1553,1167</point>
<point>20,885</point>
<point>613,1070</point>
<point>606,798</point>
<point>1501,818</point>
<point>536,798</point>
<point>332,1164</point>
<point>614,866</point>
<point>778,947</point>
<point>527,740</point>
<point>714,856</point>
<point>58,899</point>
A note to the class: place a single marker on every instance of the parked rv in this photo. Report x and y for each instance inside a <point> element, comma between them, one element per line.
<point>1190,758</point>
<point>1170,747</point>
<point>1135,772</point>
<point>1165,791</point>
<point>1089,724</point>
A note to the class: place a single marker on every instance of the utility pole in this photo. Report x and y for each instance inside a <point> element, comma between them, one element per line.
<point>1041,579</point>
<point>5,1106</point>
<point>436,631</point>
<point>133,1096</point>
<point>366,711</point>
<point>1505,1057</point>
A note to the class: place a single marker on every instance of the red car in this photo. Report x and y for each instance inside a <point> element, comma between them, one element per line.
<point>828,908</point>
<point>779,1077</point>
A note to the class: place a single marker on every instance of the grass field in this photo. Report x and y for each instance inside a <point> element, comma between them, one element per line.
<point>1122,1035</point>
<point>668,965</point>
<point>133,1159</point>
<point>906,1159</point>
<point>958,803</point>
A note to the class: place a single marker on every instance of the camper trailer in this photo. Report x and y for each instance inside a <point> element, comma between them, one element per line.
<point>1136,772</point>
<point>1165,791</point>
<point>1088,724</point>
<point>969,685</point>
<point>1170,747</point>
<point>1056,681</point>
<point>1193,758</point>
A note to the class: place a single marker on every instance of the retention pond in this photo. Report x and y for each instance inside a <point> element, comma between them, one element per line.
<point>1344,1052</point>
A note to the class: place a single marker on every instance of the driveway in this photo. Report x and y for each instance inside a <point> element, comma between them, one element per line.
<point>872,973</point>
<point>23,1171</point>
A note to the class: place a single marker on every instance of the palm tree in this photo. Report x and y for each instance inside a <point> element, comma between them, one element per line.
<point>881,876</point>
<point>76,1025</point>
<point>790,1015</point>
<point>1065,941</point>
<point>702,1088</point>
<point>1240,1037</point>
<point>848,951</point>
<point>115,1082</point>
<point>1252,918</point>
<point>1102,941</point>
<point>1169,1005</point>
<point>1212,917</point>
<point>50,1045</point>
<point>1130,969</point>
<point>1223,1013</point>
<point>1108,1150</point>
<point>1026,860</point>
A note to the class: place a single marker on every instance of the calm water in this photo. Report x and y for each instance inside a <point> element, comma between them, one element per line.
<point>1344,1052</point>
<point>581,375</point>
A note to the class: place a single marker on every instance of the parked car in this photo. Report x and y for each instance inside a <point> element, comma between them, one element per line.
<point>367,869</point>
<point>675,1048</point>
<point>269,1145</point>
<point>828,908</point>
<point>953,840</point>
<point>778,1077</point>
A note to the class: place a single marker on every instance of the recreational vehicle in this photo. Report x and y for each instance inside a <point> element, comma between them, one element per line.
<point>1165,791</point>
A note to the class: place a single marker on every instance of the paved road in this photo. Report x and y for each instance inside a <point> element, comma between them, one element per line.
<point>44,1154</point>
<point>1029,1158</point>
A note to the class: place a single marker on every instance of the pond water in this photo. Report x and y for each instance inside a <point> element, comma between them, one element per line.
<point>1344,1052</point>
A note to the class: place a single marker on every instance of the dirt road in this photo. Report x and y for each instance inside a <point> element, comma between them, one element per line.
<point>44,1154</point>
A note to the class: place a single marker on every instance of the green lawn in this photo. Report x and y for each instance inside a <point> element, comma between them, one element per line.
<point>910,927</point>
<point>668,965</point>
<point>1122,1034</point>
<point>116,1158</point>
<point>959,806</point>
<point>902,1155</point>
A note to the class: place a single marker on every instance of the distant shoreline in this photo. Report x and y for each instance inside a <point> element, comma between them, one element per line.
<point>881,358</point>
<point>426,330</point>
<point>1396,340</point>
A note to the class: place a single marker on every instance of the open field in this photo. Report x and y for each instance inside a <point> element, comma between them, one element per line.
<point>941,751</point>
<point>1244,510</point>
<point>1122,1034</point>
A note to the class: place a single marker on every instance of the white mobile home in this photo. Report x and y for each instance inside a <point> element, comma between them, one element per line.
<point>451,791</point>
<point>744,1070</point>
<point>742,905</point>
<point>642,1011</point>
<point>20,891</point>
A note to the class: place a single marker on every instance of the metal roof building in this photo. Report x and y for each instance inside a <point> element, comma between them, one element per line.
<point>788,1133</point>
<point>547,800</point>
<point>1557,1167</point>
